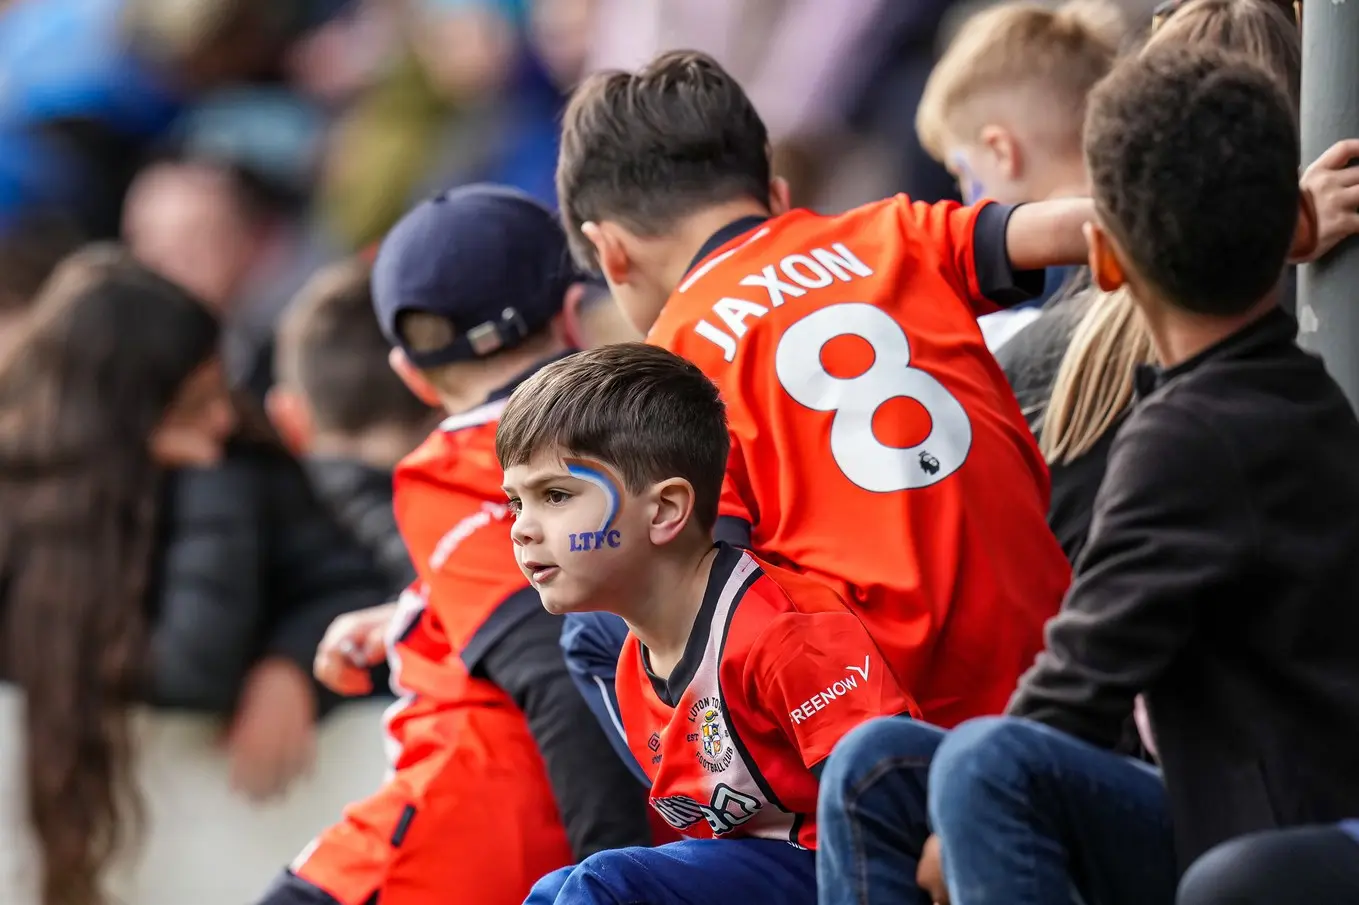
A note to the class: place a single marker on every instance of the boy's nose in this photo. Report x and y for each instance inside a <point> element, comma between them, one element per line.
<point>523,531</point>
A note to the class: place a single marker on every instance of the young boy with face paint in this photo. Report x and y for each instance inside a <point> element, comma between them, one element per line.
<point>500,771</point>
<point>736,678</point>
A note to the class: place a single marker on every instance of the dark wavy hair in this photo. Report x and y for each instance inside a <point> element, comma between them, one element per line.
<point>103,354</point>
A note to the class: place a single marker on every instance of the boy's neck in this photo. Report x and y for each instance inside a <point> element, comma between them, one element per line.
<point>663,616</point>
<point>1178,335</point>
<point>693,232</point>
<point>1068,188</point>
<point>1065,177</point>
<point>378,447</point>
<point>477,381</point>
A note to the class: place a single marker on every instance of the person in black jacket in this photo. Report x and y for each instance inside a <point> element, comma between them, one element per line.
<point>251,569</point>
<point>1219,576</point>
<point>339,405</point>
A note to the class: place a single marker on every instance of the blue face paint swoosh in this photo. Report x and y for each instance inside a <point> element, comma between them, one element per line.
<point>612,494</point>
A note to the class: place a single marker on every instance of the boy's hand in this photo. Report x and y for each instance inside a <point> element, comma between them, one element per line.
<point>1334,189</point>
<point>353,644</point>
<point>272,738</point>
<point>929,876</point>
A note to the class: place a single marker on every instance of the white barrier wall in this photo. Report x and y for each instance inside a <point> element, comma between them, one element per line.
<point>203,844</point>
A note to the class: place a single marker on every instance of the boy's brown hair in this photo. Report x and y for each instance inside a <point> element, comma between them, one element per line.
<point>1017,46</point>
<point>330,349</point>
<point>645,411</point>
<point>650,148</point>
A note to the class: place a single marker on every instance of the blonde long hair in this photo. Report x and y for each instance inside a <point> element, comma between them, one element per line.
<point>1094,384</point>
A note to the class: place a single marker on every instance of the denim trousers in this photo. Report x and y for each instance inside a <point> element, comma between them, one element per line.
<point>871,820</point>
<point>1026,815</point>
<point>690,872</point>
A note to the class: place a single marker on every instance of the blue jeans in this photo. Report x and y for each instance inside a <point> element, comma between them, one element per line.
<point>691,872</point>
<point>871,820</point>
<point>1027,814</point>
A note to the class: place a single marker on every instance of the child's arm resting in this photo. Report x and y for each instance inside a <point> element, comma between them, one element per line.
<point>819,675</point>
<point>1048,233</point>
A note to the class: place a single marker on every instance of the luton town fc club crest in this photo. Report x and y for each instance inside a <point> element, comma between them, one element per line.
<point>715,752</point>
<point>712,734</point>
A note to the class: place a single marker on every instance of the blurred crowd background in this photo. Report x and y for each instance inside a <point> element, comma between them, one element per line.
<point>239,144</point>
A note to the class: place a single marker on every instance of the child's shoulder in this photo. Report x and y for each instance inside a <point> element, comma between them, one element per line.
<point>787,591</point>
<point>780,615</point>
<point>460,451</point>
<point>449,487</point>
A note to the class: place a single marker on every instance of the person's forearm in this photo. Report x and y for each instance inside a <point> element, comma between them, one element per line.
<point>1048,233</point>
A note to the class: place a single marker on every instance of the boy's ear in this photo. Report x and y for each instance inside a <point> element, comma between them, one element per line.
<point>567,324</point>
<point>291,417</point>
<point>1005,148</point>
<point>672,507</point>
<point>415,381</point>
<point>1307,234</point>
<point>610,242</point>
<point>780,196</point>
<point>1105,267</point>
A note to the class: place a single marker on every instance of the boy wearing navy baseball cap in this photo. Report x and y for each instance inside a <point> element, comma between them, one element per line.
<point>469,289</point>
<point>500,772</point>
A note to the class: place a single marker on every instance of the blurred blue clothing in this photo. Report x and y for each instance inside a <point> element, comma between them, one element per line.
<point>525,154</point>
<point>591,644</point>
<point>69,85</point>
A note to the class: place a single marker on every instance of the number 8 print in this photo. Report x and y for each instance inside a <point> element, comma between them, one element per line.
<point>867,462</point>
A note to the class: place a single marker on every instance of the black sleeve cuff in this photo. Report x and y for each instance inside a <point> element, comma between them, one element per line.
<point>290,889</point>
<point>732,530</point>
<point>996,279</point>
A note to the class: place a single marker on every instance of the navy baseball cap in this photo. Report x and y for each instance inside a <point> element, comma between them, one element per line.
<point>491,260</point>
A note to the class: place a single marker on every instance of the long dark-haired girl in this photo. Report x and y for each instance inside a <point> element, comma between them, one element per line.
<point>113,379</point>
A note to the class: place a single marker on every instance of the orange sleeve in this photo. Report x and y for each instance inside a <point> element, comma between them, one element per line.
<point>463,553</point>
<point>736,487</point>
<point>818,675</point>
<point>973,251</point>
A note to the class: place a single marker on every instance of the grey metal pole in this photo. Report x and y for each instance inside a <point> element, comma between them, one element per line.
<point>1328,291</point>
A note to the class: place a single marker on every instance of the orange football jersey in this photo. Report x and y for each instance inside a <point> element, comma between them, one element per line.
<point>875,441</point>
<point>775,672</point>
<point>466,774</point>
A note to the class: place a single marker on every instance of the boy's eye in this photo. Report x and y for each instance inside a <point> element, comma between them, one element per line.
<point>514,505</point>
<point>557,496</point>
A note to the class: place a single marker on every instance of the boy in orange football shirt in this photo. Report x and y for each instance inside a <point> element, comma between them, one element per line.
<point>500,773</point>
<point>736,678</point>
<point>875,443</point>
